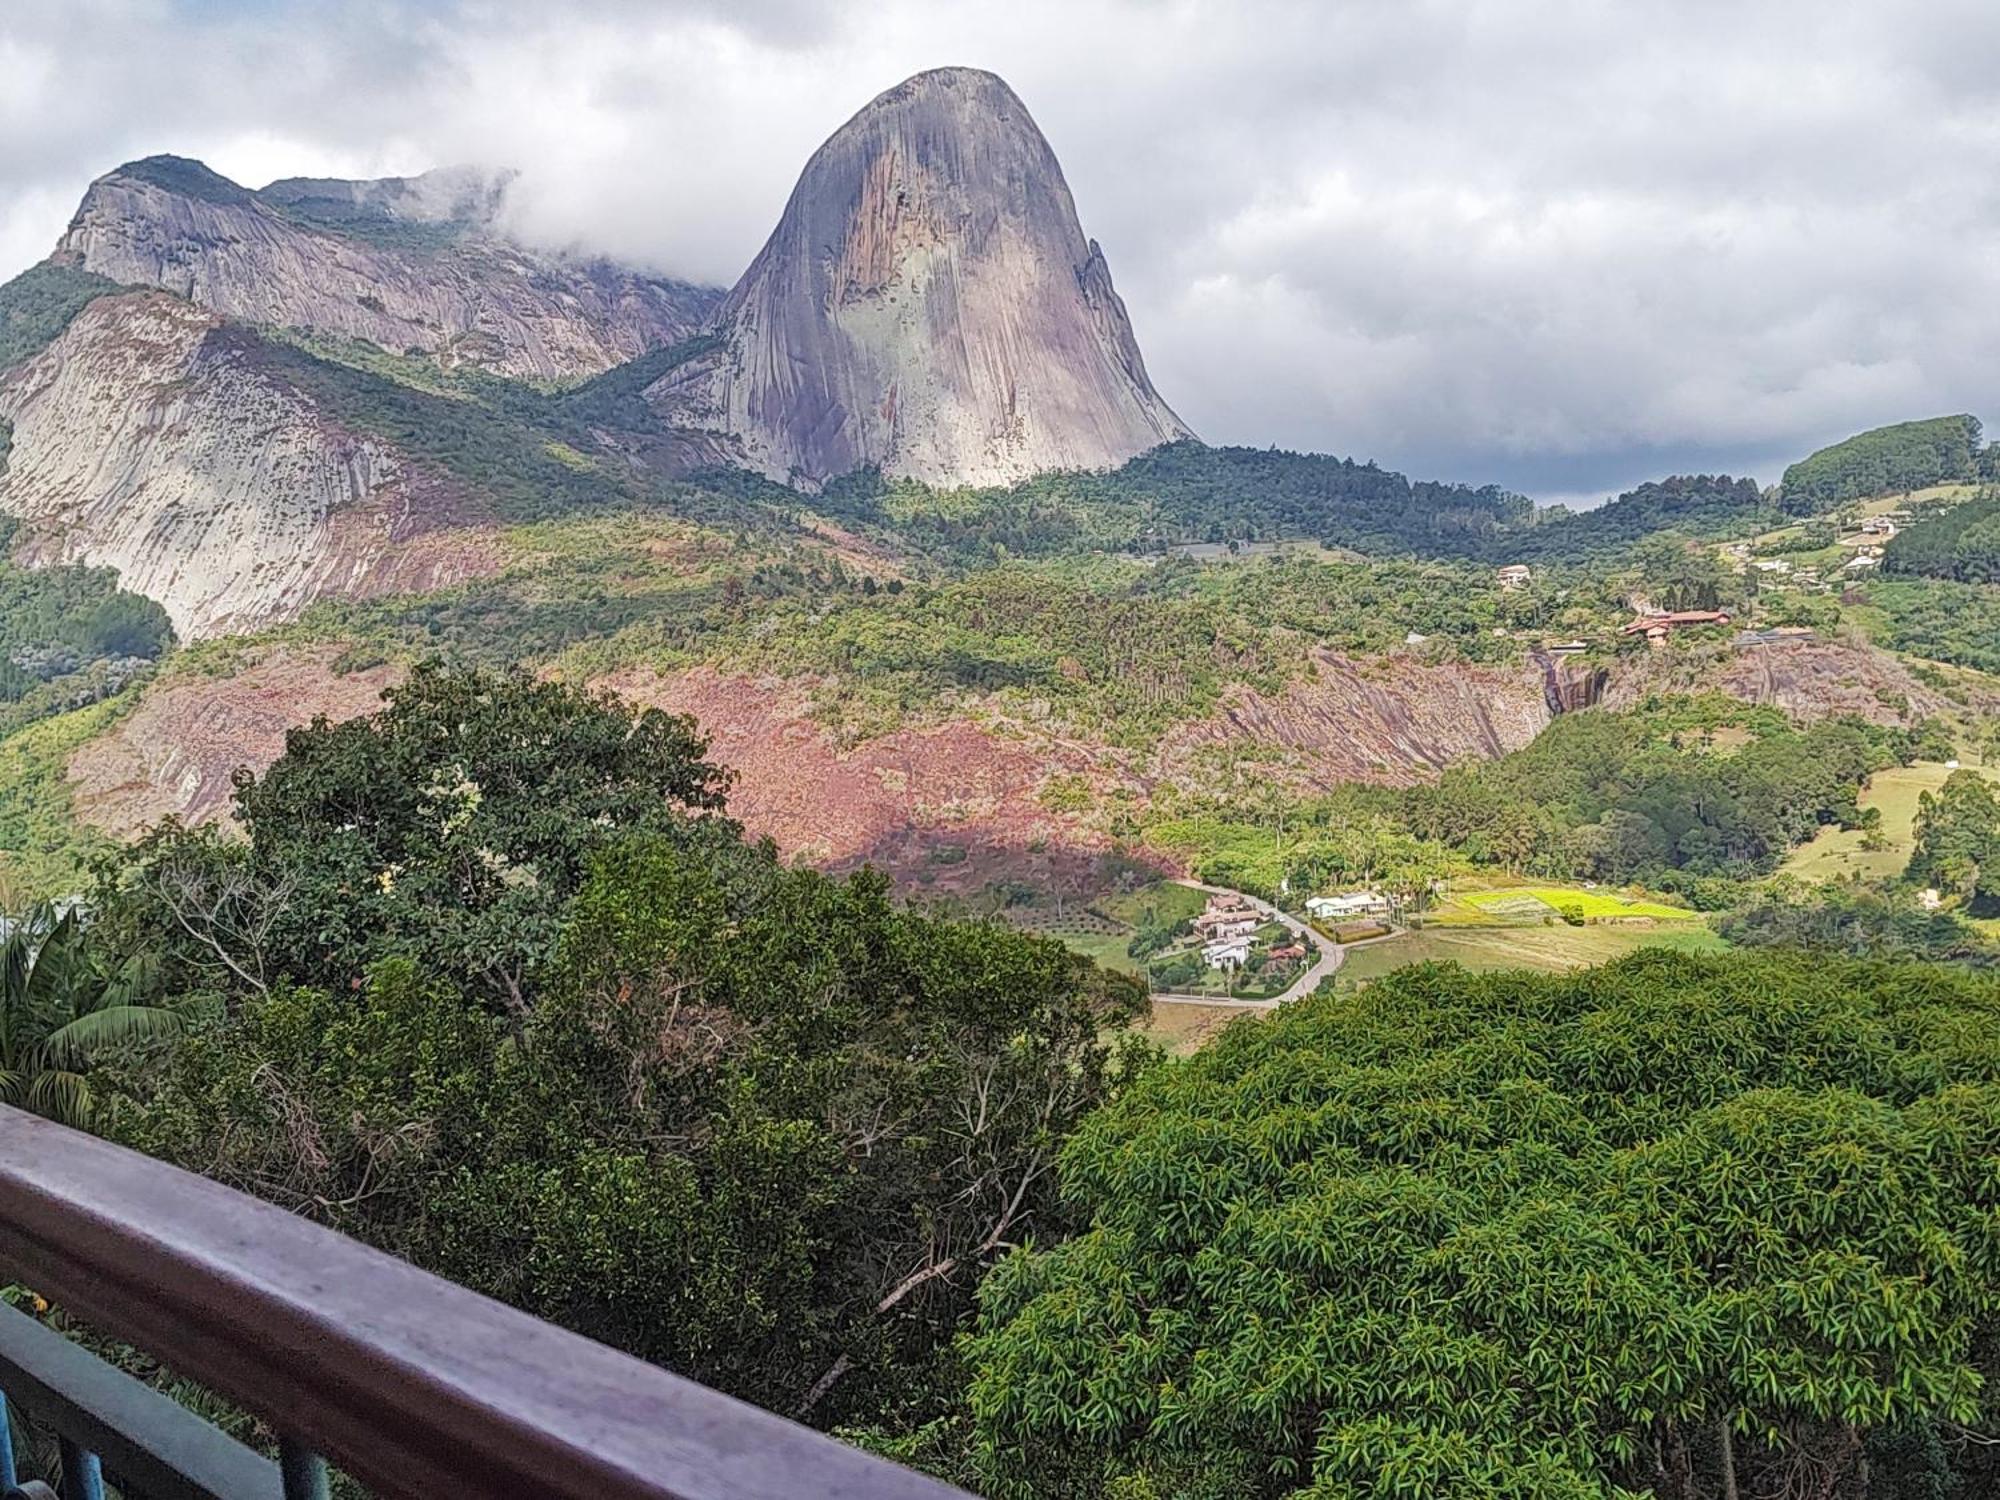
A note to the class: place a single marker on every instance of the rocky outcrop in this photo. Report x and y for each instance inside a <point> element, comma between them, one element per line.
<point>412,264</point>
<point>151,437</point>
<point>928,303</point>
<point>1810,679</point>
<point>1393,720</point>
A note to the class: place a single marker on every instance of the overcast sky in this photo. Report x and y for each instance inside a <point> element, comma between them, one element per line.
<point>1559,246</point>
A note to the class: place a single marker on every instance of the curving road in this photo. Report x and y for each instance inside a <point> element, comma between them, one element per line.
<point>1329,956</point>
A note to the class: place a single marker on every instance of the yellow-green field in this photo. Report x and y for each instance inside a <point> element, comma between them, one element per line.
<point>1837,853</point>
<point>1537,901</point>
<point>1546,948</point>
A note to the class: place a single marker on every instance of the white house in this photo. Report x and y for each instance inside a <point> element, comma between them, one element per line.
<point>1514,576</point>
<point>1228,953</point>
<point>1348,904</point>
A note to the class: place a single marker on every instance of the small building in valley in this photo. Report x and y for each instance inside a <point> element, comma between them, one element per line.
<point>1347,905</point>
<point>1514,576</point>
<point>1656,627</point>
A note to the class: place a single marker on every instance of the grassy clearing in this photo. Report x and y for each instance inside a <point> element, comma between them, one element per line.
<point>1837,854</point>
<point>1181,1029</point>
<point>1164,902</point>
<point>1545,948</point>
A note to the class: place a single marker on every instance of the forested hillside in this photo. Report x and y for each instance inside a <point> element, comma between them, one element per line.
<point>1907,456</point>
<point>1962,542</point>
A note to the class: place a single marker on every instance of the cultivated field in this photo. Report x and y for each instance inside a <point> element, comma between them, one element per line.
<point>1540,901</point>
<point>1547,948</point>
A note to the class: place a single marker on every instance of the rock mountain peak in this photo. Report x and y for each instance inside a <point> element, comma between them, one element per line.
<point>928,303</point>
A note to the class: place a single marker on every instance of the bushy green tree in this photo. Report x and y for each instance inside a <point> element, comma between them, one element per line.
<point>1677,1227</point>
<point>453,827</point>
<point>1958,839</point>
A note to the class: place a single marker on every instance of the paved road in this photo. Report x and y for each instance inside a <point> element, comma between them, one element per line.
<point>1329,956</point>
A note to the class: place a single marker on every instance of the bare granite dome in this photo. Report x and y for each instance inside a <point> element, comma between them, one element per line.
<point>928,303</point>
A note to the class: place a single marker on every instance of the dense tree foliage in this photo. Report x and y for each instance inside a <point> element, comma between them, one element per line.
<point>1958,840</point>
<point>67,1005</point>
<point>1187,493</point>
<point>37,305</point>
<point>68,637</point>
<point>1887,460</point>
<point>454,827</point>
<point>1961,542</point>
<point>1693,505</point>
<point>1857,921</point>
<point>492,984</point>
<point>1625,796</point>
<point>1949,622</point>
<point>1681,1227</point>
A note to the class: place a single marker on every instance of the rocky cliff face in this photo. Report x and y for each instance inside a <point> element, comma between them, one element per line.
<point>408,263</point>
<point>151,438</point>
<point>927,303</point>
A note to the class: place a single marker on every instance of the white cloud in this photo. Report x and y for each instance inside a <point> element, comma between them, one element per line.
<point>1561,245</point>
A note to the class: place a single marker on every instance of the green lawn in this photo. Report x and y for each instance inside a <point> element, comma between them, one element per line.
<point>1837,853</point>
<point>1167,901</point>
<point>1548,948</point>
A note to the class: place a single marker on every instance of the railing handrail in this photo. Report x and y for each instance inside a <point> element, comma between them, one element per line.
<point>413,1384</point>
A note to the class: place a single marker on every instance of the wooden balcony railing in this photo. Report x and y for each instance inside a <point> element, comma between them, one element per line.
<point>411,1384</point>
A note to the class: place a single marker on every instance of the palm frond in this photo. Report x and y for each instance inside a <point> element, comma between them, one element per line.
<point>96,1031</point>
<point>61,1096</point>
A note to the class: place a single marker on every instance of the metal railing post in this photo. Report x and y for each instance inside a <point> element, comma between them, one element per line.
<point>8,1476</point>
<point>304,1471</point>
<point>82,1474</point>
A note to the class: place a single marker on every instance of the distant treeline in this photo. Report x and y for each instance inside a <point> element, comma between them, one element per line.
<point>36,306</point>
<point>1189,493</point>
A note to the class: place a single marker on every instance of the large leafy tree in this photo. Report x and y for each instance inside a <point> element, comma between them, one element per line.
<point>1677,1227</point>
<point>452,827</point>
<point>763,1126</point>
<point>1958,839</point>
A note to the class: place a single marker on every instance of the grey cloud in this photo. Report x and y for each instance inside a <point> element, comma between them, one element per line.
<point>1562,246</point>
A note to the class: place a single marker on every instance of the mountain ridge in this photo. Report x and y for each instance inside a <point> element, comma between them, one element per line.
<point>460,290</point>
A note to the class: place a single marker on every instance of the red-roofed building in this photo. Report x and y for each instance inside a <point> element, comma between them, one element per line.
<point>1656,626</point>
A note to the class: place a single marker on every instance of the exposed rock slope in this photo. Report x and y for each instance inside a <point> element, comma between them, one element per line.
<point>175,754</point>
<point>151,438</point>
<point>408,263</point>
<point>927,303</point>
<point>1394,721</point>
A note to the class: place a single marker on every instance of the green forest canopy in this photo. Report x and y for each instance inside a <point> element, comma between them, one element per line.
<point>1529,1237</point>
<point>493,984</point>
